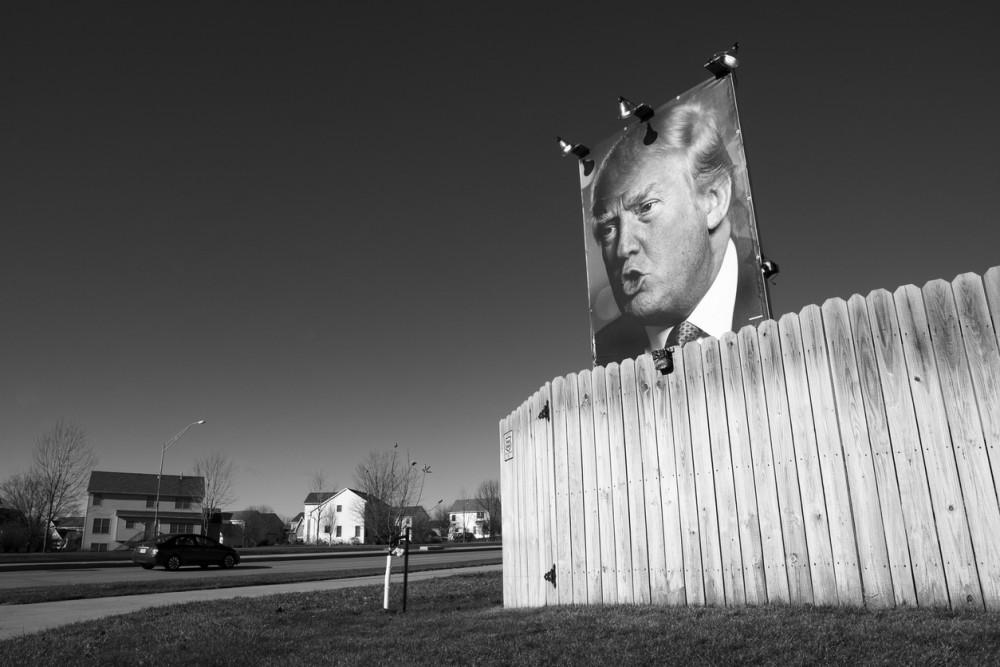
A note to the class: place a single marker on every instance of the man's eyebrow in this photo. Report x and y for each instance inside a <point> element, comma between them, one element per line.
<point>634,200</point>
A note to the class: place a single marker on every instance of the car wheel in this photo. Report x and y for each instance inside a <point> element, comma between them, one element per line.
<point>229,562</point>
<point>173,563</point>
<point>147,566</point>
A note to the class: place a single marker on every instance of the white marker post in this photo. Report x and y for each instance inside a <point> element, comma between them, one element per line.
<point>394,550</point>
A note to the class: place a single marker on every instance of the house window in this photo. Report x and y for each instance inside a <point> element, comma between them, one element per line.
<point>150,501</point>
<point>182,503</point>
<point>97,499</point>
<point>479,515</point>
<point>326,529</point>
<point>102,526</point>
<point>186,528</point>
<point>339,528</point>
<point>94,546</point>
<point>340,508</point>
<point>129,524</point>
<point>357,531</point>
<point>453,517</point>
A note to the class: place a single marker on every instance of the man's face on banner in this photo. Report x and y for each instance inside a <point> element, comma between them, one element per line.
<point>653,229</point>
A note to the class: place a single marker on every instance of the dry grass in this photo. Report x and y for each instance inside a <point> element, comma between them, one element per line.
<point>460,621</point>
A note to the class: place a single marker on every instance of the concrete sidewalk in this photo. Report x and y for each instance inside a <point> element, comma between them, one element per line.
<point>20,619</point>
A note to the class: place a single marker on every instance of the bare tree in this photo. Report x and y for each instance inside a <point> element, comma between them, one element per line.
<point>318,481</point>
<point>392,482</point>
<point>488,499</point>
<point>62,464</point>
<point>22,493</point>
<point>217,469</point>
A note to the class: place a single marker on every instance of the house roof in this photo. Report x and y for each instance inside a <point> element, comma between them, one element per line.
<point>317,497</point>
<point>412,510</point>
<point>320,497</point>
<point>467,505</point>
<point>143,484</point>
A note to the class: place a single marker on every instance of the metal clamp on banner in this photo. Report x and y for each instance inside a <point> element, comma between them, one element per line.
<point>723,62</point>
<point>663,360</point>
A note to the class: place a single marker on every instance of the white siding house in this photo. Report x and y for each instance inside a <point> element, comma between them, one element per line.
<point>468,515</point>
<point>121,507</point>
<point>333,517</point>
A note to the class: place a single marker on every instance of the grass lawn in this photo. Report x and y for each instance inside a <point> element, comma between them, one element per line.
<point>460,621</point>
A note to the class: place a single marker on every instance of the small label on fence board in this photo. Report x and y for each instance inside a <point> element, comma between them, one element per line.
<point>508,445</point>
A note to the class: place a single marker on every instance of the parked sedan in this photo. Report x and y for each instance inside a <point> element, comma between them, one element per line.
<point>173,551</point>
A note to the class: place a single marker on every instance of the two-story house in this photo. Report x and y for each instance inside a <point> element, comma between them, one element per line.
<point>121,507</point>
<point>467,515</point>
<point>333,517</point>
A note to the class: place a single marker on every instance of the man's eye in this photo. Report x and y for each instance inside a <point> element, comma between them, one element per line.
<point>647,206</point>
<point>605,232</point>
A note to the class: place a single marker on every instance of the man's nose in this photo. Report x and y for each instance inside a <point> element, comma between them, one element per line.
<point>629,235</point>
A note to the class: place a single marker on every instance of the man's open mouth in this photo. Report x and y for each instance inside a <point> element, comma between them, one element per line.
<point>632,281</point>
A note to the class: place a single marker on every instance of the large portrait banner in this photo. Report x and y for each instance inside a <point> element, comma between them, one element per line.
<point>669,229</point>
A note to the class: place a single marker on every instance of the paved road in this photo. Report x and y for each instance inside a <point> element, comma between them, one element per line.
<point>89,574</point>
<point>26,618</point>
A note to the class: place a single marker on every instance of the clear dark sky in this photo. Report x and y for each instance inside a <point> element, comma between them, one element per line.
<point>328,227</point>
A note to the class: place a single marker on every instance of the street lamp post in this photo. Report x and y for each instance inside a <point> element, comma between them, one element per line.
<point>167,445</point>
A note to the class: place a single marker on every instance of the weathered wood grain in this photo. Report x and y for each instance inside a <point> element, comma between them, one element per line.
<point>755,584</point>
<point>704,476</point>
<point>619,475</point>
<point>967,441</point>
<point>939,458</point>
<point>831,459</point>
<point>785,468</point>
<point>656,547</point>
<point>591,515</point>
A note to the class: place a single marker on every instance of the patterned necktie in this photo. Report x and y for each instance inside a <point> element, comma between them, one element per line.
<point>684,333</point>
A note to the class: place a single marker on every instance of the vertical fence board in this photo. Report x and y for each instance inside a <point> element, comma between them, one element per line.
<point>876,578</point>
<point>967,436</point>
<point>769,512</point>
<point>785,468</point>
<point>521,443</point>
<point>656,547</point>
<point>918,512</point>
<point>979,338</point>
<point>537,563</point>
<point>831,460</point>
<point>687,495</point>
<point>591,515</point>
<point>991,283</point>
<point>814,516</point>
<point>636,493</point>
<point>533,530</point>
<point>704,475</point>
<point>605,507</point>
<point>755,584</point>
<point>564,559</point>
<point>574,465</point>
<point>893,523</point>
<point>507,517</point>
<point>939,459</point>
<point>619,475</point>
<point>725,487</point>
<point>550,535</point>
<point>676,591</point>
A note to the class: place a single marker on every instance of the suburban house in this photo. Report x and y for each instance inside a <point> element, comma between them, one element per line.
<point>415,518</point>
<point>121,507</point>
<point>468,515</point>
<point>333,517</point>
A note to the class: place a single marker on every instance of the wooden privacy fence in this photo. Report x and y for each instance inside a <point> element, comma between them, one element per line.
<point>844,455</point>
